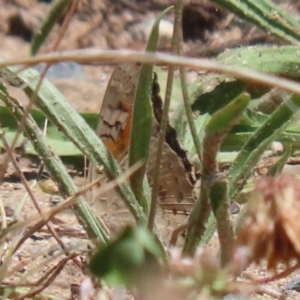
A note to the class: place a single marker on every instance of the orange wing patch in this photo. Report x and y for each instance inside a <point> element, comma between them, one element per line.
<point>114,125</point>
<point>115,132</point>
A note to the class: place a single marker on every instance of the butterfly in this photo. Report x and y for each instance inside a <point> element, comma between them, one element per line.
<point>176,187</point>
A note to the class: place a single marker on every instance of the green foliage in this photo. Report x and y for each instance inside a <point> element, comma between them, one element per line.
<point>228,115</point>
<point>125,261</point>
<point>56,139</point>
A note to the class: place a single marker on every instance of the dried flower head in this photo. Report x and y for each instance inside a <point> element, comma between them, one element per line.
<point>272,229</point>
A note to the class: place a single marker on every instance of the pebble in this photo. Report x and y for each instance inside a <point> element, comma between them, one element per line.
<point>276,147</point>
<point>294,285</point>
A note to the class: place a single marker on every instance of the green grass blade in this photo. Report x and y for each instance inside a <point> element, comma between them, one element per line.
<point>57,9</point>
<point>212,101</point>
<point>142,121</point>
<point>266,15</point>
<point>218,195</point>
<point>279,165</point>
<point>56,168</point>
<point>225,116</point>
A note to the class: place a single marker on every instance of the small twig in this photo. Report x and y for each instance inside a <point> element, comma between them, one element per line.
<point>185,94</point>
<point>3,215</point>
<point>30,232</point>
<point>89,56</point>
<point>66,23</point>
<point>71,200</point>
<point>268,290</point>
<point>248,288</point>
<point>274,277</point>
<point>163,125</point>
<point>7,256</point>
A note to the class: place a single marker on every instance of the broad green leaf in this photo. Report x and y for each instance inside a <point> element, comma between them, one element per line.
<point>55,138</point>
<point>278,60</point>
<point>224,93</point>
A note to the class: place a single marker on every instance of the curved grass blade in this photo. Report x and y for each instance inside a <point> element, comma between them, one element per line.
<point>142,121</point>
<point>266,15</point>
<point>57,9</point>
<point>56,168</point>
<point>236,139</point>
<point>222,95</point>
<point>224,117</point>
<point>279,165</point>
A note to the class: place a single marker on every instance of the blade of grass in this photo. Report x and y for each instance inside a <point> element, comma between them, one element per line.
<point>218,195</point>
<point>142,121</point>
<point>56,11</point>
<point>279,165</point>
<point>162,132</point>
<point>57,169</point>
<point>266,15</point>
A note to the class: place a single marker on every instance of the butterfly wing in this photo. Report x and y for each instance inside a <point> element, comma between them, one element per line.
<point>114,128</point>
<point>114,125</point>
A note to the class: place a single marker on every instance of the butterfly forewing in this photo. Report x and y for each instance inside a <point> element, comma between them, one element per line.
<point>116,111</point>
